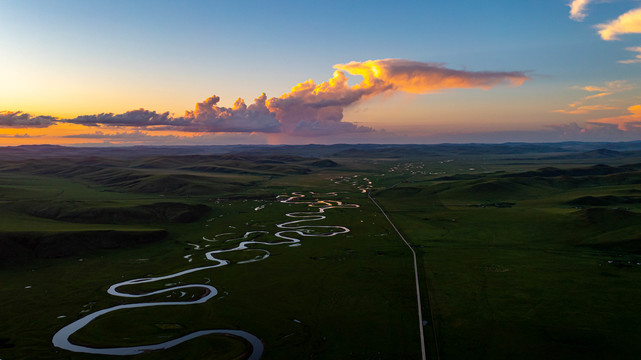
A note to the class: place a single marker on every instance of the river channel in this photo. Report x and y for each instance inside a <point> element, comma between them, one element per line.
<point>291,234</point>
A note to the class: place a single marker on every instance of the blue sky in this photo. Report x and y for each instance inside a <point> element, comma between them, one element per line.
<point>71,58</point>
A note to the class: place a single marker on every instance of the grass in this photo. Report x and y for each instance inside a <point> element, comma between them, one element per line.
<point>349,298</point>
<point>532,281</point>
<point>547,276</point>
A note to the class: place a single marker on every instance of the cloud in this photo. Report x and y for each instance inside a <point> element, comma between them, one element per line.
<point>637,57</point>
<point>18,119</point>
<point>309,109</point>
<point>585,109</point>
<point>208,117</point>
<point>18,136</point>
<point>628,122</point>
<point>598,95</point>
<point>135,118</point>
<point>610,88</point>
<point>627,23</point>
<point>421,78</point>
<point>578,9</point>
<point>318,109</point>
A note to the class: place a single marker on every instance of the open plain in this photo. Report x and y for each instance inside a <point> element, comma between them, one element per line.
<point>523,250</point>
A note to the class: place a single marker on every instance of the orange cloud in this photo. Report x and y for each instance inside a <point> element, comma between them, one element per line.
<point>318,109</point>
<point>309,109</point>
<point>578,9</point>
<point>598,95</point>
<point>610,88</point>
<point>637,57</point>
<point>585,109</point>
<point>421,78</point>
<point>627,23</point>
<point>625,122</point>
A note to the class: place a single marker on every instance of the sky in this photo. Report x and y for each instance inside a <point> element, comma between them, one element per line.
<point>103,73</point>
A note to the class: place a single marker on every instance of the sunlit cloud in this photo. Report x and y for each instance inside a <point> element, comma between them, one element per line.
<point>585,109</point>
<point>421,78</point>
<point>312,108</point>
<point>18,119</point>
<point>629,122</point>
<point>578,9</point>
<point>610,88</point>
<point>209,117</point>
<point>308,110</point>
<point>627,23</point>
<point>598,95</point>
<point>637,57</point>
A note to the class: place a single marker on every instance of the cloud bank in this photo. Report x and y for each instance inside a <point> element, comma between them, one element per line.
<point>18,119</point>
<point>309,109</point>
<point>140,117</point>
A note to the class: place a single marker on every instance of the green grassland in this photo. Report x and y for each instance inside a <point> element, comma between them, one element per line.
<point>524,251</point>
<point>528,267</point>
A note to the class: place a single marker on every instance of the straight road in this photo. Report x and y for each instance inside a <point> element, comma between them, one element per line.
<point>418,289</point>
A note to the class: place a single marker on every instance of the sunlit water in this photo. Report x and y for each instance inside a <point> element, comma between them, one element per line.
<point>291,235</point>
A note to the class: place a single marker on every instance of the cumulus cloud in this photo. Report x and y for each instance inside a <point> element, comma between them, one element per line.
<point>629,122</point>
<point>206,117</point>
<point>637,57</point>
<point>627,23</point>
<point>578,9</point>
<point>18,119</point>
<point>209,117</point>
<point>318,108</point>
<point>309,109</point>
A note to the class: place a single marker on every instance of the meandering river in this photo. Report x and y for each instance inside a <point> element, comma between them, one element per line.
<point>291,234</point>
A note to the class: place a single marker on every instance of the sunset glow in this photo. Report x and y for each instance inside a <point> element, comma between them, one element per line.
<point>135,79</point>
